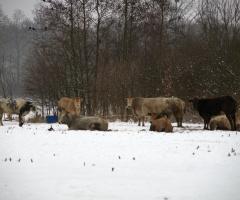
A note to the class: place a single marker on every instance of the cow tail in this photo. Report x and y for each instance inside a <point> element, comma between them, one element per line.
<point>235,106</point>
<point>185,108</point>
<point>183,104</point>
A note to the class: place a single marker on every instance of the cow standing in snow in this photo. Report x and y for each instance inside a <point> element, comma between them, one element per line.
<point>207,108</point>
<point>73,106</point>
<point>16,106</point>
<point>160,105</point>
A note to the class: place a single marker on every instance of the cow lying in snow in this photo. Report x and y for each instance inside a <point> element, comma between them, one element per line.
<point>76,122</point>
<point>165,106</point>
<point>160,123</point>
<point>73,106</point>
<point>222,123</point>
<point>212,107</point>
<point>16,106</point>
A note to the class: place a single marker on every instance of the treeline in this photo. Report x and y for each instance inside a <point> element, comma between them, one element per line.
<point>106,51</point>
<point>14,42</point>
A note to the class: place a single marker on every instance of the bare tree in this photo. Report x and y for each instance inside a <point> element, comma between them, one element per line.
<point>105,51</point>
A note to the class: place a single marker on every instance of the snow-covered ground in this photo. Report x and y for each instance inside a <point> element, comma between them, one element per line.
<point>129,162</point>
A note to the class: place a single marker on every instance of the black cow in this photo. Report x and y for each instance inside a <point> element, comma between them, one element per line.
<point>212,107</point>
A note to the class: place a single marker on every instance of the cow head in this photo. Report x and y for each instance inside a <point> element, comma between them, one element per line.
<point>213,125</point>
<point>65,117</point>
<point>194,102</point>
<point>77,102</point>
<point>155,116</point>
<point>129,103</point>
<point>34,107</point>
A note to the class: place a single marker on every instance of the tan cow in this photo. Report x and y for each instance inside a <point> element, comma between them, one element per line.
<point>222,123</point>
<point>165,106</point>
<point>160,123</point>
<point>73,106</point>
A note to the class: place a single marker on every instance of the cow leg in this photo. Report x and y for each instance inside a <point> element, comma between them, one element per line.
<point>20,120</point>
<point>179,121</point>
<point>142,121</point>
<point>234,121</point>
<point>162,130</point>
<point>23,111</point>
<point>206,122</point>
<point>1,116</point>
<point>139,121</point>
<point>21,115</point>
<point>231,121</point>
<point>177,118</point>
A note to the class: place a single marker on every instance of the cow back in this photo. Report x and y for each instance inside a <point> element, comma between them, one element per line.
<point>12,106</point>
<point>222,123</point>
<point>161,124</point>
<point>214,106</point>
<point>166,106</point>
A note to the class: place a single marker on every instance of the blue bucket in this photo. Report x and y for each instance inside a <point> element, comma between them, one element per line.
<point>51,119</point>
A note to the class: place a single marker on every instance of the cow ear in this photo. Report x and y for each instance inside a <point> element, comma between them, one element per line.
<point>81,99</point>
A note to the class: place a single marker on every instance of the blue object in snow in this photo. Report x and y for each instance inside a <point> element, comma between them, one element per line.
<point>51,119</point>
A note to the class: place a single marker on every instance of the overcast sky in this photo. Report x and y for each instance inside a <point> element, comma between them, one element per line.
<point>26,6</point>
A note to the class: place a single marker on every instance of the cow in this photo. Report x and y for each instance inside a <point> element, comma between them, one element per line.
<point>160,123</point>
<point>79,122</point>
<point>73,106</point>
<point>222,123</point>
<point>165,106</point>
<point>207,108</point>
<point>16,106</point>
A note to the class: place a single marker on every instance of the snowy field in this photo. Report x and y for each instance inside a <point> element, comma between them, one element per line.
<point>128,162</point>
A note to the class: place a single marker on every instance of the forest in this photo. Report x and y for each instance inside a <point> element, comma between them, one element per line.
<point>105,51</point>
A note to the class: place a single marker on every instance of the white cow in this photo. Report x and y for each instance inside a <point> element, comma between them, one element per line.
<point>160,105</point>
<point>16,106</point>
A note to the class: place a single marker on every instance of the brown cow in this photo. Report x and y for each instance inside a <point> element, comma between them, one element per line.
<point>160,123</point>
<point>73,106</point>
<point>165,106</point>
<point>222,123</point>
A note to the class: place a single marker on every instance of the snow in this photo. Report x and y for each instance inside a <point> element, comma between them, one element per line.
<point>129,162</point>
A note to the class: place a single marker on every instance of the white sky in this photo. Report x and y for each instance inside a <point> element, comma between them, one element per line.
<point>26,6</point>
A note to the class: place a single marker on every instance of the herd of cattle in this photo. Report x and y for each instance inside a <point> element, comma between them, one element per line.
<point>160,109</point>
